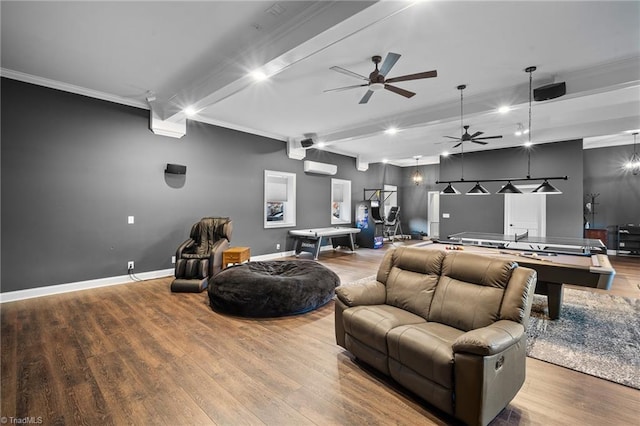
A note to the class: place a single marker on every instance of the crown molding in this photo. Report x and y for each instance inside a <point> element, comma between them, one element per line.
<point>66,87</point>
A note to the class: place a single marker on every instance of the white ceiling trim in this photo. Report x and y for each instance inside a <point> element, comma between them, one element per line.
<point>66,87</point>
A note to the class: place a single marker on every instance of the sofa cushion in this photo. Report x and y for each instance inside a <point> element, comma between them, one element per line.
<point>370,324</point>
<point>477,269</point>
<point>426,349</point>
<point>463,305</point>
<point>412,277</point>
<point>411,291</point>
<point>470,291</point>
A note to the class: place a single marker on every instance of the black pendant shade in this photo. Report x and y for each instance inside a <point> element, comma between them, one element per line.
<point>509,188</point>
<point>478,190</point>
<point>546,188</point>
<point>449,190</point>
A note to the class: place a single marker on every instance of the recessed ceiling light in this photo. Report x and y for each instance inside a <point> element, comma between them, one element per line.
<point>190,111</point>
<point>385,160</point>
<point>504,109</point>
<point>528,144</point>
<point>445,154</point>
<point>321,145</point>
<point>259,75</point>
<point>391,131</point>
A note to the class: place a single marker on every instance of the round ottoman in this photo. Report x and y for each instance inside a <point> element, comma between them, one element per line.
<point>272,288</point>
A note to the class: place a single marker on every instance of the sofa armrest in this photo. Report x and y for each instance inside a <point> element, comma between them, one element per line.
<point>489,340</point>
<point>371,293</point>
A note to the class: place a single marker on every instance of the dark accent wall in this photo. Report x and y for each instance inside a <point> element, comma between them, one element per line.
<point>486,213</point>
<point>414,200</point>
<point>74,168</point>
<point>619,199</point>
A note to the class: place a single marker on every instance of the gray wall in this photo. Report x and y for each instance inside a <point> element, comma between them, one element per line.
<point>74,168</point>
<point>414,214</point>
<point>486,213</point>
<point>619,189</point>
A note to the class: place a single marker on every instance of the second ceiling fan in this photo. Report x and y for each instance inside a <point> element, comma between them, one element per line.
<point>466,137</point>
<point>377,79</point>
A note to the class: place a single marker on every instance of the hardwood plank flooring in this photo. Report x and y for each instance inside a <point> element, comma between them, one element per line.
<point>138,354</point>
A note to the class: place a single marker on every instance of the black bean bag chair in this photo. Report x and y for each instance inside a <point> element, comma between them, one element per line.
<point>272,288</point>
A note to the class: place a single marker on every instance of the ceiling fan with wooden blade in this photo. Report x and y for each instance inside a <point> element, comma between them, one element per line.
<point>377,81</point>
<point>466,137</point>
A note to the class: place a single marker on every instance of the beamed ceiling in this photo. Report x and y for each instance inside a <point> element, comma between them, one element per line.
<point>200,54</point>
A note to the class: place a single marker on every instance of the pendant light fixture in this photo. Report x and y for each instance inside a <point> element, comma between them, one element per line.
<point>509,188</point>
<point>545,187</point>
<point>449,190</point>
<point>478,190</point>
<point>634,162</point>
<point>417,177</point>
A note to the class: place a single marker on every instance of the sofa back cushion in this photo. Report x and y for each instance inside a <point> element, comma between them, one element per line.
<point>470,290</point>
<point>411,275</point>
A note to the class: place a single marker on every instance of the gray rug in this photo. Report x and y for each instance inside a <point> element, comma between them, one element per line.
<point>597,334</point>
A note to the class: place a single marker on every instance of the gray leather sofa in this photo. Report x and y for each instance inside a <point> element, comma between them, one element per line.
<point>449,326</point>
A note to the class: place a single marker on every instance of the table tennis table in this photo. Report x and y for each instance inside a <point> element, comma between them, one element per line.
<point>544,245</point>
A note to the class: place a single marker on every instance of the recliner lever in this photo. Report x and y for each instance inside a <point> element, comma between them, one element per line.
<point>499,362</point>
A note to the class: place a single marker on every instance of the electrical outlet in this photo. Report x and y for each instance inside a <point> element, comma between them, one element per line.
<point>130,265</point>
<point>173,259</point>
<point>278,246</point>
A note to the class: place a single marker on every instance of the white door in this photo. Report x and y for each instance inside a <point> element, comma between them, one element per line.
<point>433,213</point>
<point>525,212</point>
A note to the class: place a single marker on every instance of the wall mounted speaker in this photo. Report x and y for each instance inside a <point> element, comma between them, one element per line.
<point>176,169</point>
<point>306,143</point>
<point>550,91</point>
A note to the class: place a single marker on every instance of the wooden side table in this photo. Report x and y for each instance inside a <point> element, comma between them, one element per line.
<point>235,255</point>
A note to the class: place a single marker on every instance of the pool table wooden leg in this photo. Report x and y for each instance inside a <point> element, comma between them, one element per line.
<point>553,291</point>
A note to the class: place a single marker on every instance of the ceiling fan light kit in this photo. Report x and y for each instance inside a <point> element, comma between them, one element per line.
<point>377,79</point>
<point>545,187</point>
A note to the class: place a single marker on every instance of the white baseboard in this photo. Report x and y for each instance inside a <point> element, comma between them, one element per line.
<point>30,293</point>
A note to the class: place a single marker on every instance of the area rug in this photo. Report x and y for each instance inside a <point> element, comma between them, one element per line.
<point>597,334</point>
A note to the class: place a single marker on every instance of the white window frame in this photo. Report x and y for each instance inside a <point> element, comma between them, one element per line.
<point>341,206</point>
<point>279,188</point>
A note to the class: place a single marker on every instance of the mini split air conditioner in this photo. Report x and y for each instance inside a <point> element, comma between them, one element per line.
<point>320,168</point>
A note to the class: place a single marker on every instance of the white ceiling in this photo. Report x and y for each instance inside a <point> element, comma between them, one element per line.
<point>200,54</point>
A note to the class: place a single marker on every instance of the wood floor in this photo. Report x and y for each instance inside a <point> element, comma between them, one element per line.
<point>138,354</point>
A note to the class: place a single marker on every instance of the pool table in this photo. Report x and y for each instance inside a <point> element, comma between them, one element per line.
<point>554,270</point>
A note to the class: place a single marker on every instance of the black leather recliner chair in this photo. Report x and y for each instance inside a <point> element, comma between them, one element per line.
<point>200,257</point>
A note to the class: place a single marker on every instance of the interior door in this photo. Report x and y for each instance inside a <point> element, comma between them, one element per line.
<point>433,213</point>
<point>525,212</point>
